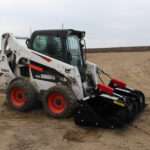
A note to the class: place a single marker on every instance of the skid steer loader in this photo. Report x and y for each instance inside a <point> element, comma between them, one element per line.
<point>52,69</point>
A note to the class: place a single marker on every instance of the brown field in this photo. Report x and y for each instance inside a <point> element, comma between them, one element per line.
<point>34,131</point>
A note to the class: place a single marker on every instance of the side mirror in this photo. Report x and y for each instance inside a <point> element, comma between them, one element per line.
<point>28,43</point>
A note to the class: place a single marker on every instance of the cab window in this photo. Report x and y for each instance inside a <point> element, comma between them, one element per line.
<point>48,45</point>
<point>73,46</point>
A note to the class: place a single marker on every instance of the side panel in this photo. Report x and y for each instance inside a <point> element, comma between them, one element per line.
<point>92,69</point>
<point>42,85</point>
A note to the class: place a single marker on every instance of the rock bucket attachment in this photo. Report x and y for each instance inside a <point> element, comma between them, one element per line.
<point>110,111</point>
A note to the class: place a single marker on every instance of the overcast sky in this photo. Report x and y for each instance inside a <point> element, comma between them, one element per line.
<point>106,22</point>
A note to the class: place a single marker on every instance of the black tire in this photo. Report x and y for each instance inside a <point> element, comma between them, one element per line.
<point>64,99</point>
<point>21,95</point>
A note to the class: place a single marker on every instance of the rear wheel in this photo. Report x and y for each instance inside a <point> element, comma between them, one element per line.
<point>21,95</point>
<point>59,102</point>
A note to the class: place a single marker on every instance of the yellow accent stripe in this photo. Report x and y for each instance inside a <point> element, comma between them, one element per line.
<point>119,103</point>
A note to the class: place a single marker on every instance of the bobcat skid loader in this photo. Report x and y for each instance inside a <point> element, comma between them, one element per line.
<point>52,69</point>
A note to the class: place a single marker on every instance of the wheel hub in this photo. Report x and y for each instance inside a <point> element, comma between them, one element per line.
<point>56,103</point>
<point>18,97</point>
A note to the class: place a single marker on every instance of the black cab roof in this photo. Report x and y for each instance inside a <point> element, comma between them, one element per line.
<point>59,32</point>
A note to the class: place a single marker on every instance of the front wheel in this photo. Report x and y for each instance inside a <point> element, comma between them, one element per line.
<point>59,102</point>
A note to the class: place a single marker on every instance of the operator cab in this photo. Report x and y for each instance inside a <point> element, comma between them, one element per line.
<point>64,45</point>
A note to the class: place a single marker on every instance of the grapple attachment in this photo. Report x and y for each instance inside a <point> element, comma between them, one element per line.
<point>111,108</point>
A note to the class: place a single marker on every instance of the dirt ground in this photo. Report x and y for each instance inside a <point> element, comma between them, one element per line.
<point>34,131</point>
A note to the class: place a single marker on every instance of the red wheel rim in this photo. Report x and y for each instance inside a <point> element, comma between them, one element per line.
<point>56,103</point>
<point>18,97</point>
